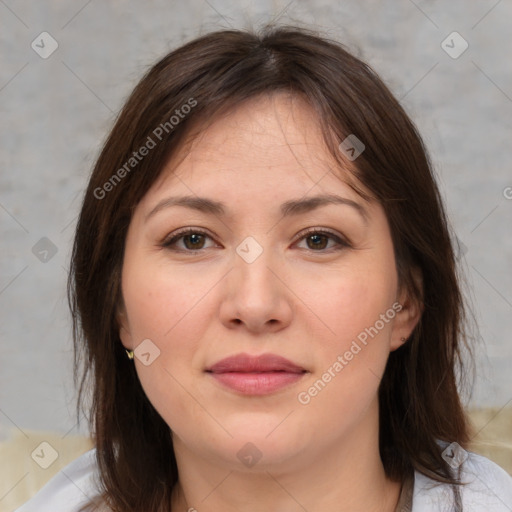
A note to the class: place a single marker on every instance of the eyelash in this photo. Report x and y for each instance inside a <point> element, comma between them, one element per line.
<point>342,243</point>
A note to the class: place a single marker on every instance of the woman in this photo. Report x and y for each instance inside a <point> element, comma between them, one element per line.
<point>264,295</point>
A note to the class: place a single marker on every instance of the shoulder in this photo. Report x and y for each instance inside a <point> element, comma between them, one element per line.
<point>486,487</point>
<point>71,488</point>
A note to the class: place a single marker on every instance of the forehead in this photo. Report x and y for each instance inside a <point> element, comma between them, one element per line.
<point>273,143</point>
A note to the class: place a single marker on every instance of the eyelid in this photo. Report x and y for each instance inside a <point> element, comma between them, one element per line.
<point>341,240</point>
<point>176,235</point>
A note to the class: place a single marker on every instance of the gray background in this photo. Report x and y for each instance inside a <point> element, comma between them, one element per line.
<point>55,113</point>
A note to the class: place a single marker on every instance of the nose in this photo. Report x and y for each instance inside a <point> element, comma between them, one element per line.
<point>256,296</point>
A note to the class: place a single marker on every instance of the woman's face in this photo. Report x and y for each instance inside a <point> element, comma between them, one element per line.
<point>276,272</point>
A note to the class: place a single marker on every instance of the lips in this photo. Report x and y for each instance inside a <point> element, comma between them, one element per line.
<point>256,375</point>
<point>244,363</point>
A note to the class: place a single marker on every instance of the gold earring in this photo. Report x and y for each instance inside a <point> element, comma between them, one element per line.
<point>129,353</point>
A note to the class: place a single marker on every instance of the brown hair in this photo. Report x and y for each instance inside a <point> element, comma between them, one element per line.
<point>418,395</point>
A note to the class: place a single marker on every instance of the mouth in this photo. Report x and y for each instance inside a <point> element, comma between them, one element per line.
<point>256,375</point>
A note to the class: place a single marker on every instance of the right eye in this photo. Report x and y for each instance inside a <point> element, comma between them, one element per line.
<point>193,240</point>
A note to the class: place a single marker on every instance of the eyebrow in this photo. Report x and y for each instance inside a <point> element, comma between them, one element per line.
<point>288,208</point>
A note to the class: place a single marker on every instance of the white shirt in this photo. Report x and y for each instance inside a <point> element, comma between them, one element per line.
<point>489,488</point>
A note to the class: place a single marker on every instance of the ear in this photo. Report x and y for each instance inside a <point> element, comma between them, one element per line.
<point>124,329</point>
<point>410,313</point>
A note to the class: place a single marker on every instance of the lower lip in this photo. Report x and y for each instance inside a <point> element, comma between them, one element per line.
<point>257,383</point>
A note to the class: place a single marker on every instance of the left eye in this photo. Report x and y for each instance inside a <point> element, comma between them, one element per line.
<point>194,240</point>
<point>320,239</point>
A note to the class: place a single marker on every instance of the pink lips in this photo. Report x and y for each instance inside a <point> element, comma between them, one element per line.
<point>256,375</point>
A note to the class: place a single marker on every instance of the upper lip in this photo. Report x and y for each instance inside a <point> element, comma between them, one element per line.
<point>245,363</point>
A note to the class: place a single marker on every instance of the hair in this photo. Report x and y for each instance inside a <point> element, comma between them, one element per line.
<point>419,397</point>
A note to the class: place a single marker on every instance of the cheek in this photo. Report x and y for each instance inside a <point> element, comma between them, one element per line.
<point>349,369</point>
<point>159,302</point>
<point>351,300</point>
<point>355,304</point>
<point>170,310</point>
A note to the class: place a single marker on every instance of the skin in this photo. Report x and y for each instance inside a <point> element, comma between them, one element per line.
<point>297,300</point>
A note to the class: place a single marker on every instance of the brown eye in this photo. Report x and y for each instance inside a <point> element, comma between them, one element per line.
<point>193,240</point>
<point>196,241</point>
<point>318,241</point>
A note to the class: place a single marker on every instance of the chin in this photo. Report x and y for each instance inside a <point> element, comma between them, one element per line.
<point>271,442</point>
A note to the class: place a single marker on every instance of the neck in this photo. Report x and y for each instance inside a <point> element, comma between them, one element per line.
<point>346,477</point>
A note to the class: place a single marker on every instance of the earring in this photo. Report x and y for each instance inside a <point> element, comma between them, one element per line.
<point>402,339</point>
<point>129,353</point>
